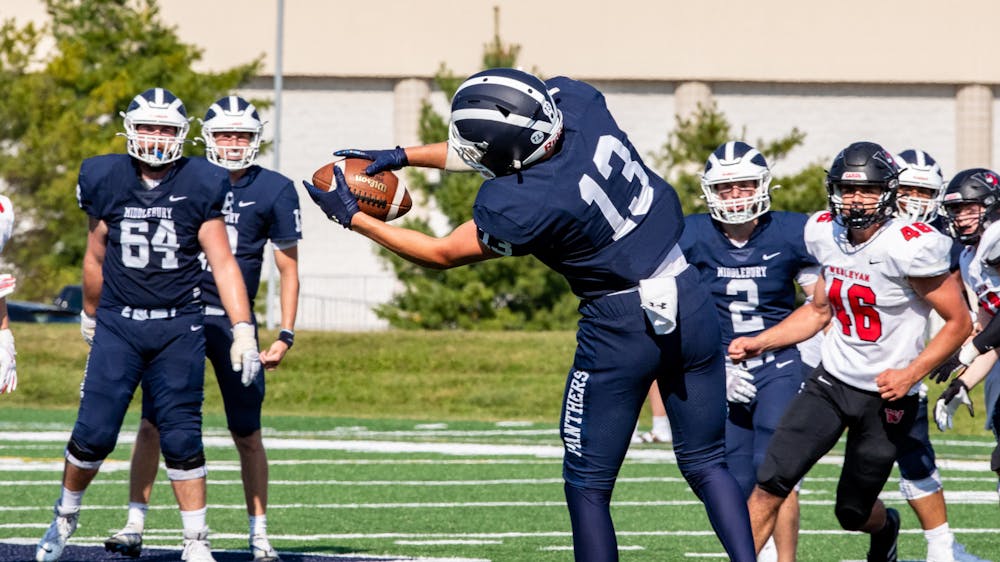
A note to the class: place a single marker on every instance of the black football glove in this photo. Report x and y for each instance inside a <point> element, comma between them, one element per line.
<point>954,396</point>
<point>339,203</point>
<point>390,159</point>
<point>944,371</point>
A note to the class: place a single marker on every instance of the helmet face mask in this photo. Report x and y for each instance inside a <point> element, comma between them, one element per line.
<point>232,114</point>
<point>156,108</point>
<point>730,166</point>
<point>974,192</point>
<point>503,120</point>
<point>922,174</point>
<point>862,165</point>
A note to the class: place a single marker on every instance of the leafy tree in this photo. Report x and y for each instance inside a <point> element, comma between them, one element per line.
<point>682,159</point>
<point>59,105</point>
<point>510,293</point>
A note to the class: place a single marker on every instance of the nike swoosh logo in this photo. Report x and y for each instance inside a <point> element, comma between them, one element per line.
<point>246,203</point>
<point>771,256</point>
<point>824,381</point>
<point>874,262</point>
<point>784,364</point>
<point>176,198</point>
<point>197,327</point>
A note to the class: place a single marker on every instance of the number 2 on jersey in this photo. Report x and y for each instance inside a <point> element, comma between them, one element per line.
<point>862,316</point>
<point>591,192</point>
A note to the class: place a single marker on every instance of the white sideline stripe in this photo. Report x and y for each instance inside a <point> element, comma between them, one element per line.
<point>570,547</point>
<point>466,449</point>
<point>446,541</point>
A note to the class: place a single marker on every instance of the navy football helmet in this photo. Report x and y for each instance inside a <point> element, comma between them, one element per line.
<point>919,170</point>
<point>863,164</point>
<point>156,106</point>
<point>977,186</point>
<point>232,114</point>
<point>503,120</point>
<point>736,161</point>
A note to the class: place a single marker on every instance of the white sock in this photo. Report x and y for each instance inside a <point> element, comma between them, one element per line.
<point>258,525</point>
<point>137,516</point>
<point>661,425</point>
<point>69,501</point>
<point>194,521</point>
<point>940,535</point>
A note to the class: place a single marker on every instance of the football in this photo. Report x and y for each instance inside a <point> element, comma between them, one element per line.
<point>381,196</point>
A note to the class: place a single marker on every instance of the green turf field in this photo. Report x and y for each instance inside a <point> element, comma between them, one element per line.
<point>445,489</point>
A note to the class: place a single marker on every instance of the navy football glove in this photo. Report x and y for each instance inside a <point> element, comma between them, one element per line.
<point>339,203</point>
<point>391,159</point>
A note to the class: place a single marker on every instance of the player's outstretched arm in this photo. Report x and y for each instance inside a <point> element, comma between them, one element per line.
<point>437,155</point>
<point>461,247</point>
<point>225,270</point>
<point>803,323</point>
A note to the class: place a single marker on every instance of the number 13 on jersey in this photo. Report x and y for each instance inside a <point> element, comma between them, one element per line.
<point>592,192</point>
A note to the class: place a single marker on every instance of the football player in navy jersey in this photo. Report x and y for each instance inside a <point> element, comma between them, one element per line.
<point>920,188</point>
<point>259,205</point>
<point>881,276</point>
<point>750,258</point>
<point>152,212</point>
<point>564,183</point>
<point>8,356</point>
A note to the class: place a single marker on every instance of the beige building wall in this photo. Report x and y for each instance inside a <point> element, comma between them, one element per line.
<point>355,74</point>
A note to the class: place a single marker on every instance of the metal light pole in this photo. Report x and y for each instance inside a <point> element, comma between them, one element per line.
<point>272,292</point>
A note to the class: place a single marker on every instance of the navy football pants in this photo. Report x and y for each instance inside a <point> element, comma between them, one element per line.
<point>617,359</point>
<point>168,357</point>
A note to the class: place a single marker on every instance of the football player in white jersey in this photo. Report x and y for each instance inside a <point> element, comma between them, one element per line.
<point>970,208</point>
<point>881,277</point>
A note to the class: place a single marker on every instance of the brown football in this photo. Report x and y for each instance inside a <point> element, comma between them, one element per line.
<point>382,195</point>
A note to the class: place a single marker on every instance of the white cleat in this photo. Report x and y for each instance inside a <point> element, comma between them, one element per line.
<point>196,547</point>
<point>769,553</point>
<point>50,548</point>
<point>262,550</point>
<point>656,437</point>
<point>958,549</point>
<point>127,542</point>
<point>636,438</point>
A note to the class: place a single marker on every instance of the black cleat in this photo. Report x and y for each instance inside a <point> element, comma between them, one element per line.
<point>125,542</point>
<point>883,545</point>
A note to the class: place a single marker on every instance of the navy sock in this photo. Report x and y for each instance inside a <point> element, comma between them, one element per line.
<point>727,510</point>
<point>593,532</point>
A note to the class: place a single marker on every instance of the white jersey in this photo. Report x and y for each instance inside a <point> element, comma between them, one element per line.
<point>6,220</point>
<point>980,276</point>
<point>878,319</point>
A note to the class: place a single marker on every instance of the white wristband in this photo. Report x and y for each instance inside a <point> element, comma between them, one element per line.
<point>968,354</point>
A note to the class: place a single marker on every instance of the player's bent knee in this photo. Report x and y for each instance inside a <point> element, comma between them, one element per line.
<point>916,489</point>
<point>851,517</point>
<point>188,469</point>
<point>86,458</point>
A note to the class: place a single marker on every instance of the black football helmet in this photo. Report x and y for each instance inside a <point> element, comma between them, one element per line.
<point>503,120</point>
<point>976,185</point>
<point>863,163</point>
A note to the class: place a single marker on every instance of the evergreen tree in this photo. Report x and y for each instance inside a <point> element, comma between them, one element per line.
<point>60,104</point>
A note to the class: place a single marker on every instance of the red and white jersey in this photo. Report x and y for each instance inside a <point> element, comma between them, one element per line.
<point>6,220</point>
<point>981,277</point>
<point>878,319</point>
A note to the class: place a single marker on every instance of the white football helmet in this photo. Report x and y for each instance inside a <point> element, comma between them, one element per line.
<point>156,106</point>
<point>731,162</point>
<point>919,170</point>
<point>232,113</point>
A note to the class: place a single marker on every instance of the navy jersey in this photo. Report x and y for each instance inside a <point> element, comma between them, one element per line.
<point>261,206</point>
<point>593,212</point>
<point>152,248</point>
<point>956,247</point>
<point>753,285</point>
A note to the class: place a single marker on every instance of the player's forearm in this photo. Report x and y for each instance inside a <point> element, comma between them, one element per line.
<point>411,245</point>
<point>941,346</point>
<point>93,280</point>
<point>979,369</point>
<point>428,155</point>
<point>803,323</point>
<point>232,290</point>
<point>289,296</point>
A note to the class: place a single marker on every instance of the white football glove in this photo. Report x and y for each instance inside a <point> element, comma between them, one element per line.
<point>88,324</point>
<point>8,364</point>
<point>244,354</point>
<point>954,396</point>
<point>739,385</point>
<point>7,284</point>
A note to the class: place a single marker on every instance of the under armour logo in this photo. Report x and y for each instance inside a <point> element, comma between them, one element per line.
<point>660,305</point>
<point>893,416</point>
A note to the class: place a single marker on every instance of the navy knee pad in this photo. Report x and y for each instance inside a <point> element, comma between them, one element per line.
<point>180,448</point>
<point>100,446</point>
